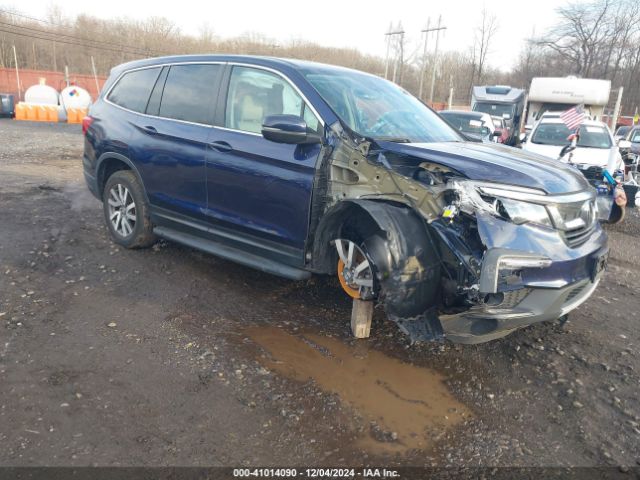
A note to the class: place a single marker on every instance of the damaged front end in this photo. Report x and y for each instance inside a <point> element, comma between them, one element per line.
<point>456,256</point>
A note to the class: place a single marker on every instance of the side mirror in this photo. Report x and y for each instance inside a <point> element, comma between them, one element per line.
<point>290,129</point>
<point>484,131</point>
<point>624,144</point>
<point>497,133</point>
<point>522,137</point>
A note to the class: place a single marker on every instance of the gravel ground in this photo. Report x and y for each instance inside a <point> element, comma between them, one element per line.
<point>167,356</point>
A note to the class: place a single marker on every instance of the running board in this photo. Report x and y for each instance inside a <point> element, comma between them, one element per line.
<point>234,254</point>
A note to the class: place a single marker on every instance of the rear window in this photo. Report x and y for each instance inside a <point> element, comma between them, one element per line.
<point>133,89</point>
<point>465,123</point>
<point>189,93</point>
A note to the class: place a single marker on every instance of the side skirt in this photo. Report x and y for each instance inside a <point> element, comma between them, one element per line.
<point>231,253</point>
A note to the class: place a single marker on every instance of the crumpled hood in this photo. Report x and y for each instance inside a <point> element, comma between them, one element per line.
<point>493,162</point>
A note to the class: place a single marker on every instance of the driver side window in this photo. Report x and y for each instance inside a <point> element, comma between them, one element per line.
<point>255,94</point>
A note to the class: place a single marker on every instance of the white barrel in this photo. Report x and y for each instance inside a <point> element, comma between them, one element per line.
<point>75,97</point>
<point>41,95</point>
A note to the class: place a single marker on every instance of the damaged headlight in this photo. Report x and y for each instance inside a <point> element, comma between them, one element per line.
<point>516,204</point>
<point>520,212</point>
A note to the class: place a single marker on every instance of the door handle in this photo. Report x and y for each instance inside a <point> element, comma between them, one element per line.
<point>150,130</point>
<point>221,146</point>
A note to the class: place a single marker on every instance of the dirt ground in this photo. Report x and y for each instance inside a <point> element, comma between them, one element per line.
<point>167,356</point>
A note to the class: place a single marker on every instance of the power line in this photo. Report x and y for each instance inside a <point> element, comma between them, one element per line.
<point>13,32</point>
<point>77,37</point>
<point>54,34</point>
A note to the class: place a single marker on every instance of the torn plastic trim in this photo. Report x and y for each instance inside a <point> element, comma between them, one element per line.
<point>496,259</point>
<point>421,328</point>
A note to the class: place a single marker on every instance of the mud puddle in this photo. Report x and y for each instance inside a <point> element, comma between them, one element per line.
<point>407,406</point>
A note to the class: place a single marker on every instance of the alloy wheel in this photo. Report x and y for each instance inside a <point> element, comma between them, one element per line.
<point>122,210</point>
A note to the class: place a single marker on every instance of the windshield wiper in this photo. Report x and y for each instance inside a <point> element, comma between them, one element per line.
<point>393,139</point>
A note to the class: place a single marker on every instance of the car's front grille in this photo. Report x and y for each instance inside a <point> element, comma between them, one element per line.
<point>576,237</point>
<point>592,173</point>
<point>513,298</point>
<point>577,221</point>
<point>574,293</point>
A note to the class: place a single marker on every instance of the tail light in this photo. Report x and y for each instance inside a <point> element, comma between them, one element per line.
<point>86,123</point>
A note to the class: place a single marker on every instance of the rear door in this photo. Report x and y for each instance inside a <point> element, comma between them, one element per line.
<point>255,186</point>
<point>171,139</point>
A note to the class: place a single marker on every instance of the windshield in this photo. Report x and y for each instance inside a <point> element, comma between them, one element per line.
<point>557,133</point>
<point>466,123</point>
<point>497,109</point>
<point>376,108</point>
<point>622,130</point>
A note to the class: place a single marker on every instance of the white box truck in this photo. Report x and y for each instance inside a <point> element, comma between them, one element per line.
<point>502,101</point>
<point>552,94</point>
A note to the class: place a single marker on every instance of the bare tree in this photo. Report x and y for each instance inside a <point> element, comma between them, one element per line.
<point>483,37</point>
<point>583,30</point>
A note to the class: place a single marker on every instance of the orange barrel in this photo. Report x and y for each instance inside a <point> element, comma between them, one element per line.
<point>75,115</point>
<point>52,113</point>
<point>21,111</point>
<point>72,116</point>
<point>32,113</point>
<point>41,113</point>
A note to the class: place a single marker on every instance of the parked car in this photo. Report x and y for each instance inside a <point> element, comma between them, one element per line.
<point>621,132</point>
<point>296,168</point>
<point>633,137</point>
<point>501,127</point>
<point>595,146</point>
<point>476,126</point>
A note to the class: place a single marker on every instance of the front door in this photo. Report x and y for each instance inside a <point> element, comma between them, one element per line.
<point>258,187</point>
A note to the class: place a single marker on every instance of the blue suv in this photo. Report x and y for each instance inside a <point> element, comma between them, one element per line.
<point>296,168</point>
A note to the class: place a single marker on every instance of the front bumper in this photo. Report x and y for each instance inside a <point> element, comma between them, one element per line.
<point>534,294</point>
<point>519,309</point>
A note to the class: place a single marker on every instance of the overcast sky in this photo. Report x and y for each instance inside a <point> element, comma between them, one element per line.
<point>338,23</point>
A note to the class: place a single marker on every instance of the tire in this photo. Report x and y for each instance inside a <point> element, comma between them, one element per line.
<point>126,211</point>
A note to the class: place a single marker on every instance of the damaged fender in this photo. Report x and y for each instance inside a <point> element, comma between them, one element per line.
<point>406,259</point>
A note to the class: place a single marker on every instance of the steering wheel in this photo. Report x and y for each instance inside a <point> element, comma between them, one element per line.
<point>378,128</point>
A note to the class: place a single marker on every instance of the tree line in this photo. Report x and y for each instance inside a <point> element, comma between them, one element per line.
<point>592,39</point>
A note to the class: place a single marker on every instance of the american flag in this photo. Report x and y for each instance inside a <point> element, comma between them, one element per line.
<point>573,117</point>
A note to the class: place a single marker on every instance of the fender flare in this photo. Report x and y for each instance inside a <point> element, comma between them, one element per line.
<point>116,156</point>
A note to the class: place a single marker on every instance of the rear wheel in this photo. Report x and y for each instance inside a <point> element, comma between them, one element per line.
<point>126,211</point>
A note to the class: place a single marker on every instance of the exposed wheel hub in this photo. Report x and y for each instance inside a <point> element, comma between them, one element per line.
<point>354,270</point>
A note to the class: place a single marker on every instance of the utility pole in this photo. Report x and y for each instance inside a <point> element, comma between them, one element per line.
<point>389,35</point>
<point>616,110</point>
<point>95,76</point>
<point>386,58</point>
<point>424,58</point>
<point>15,60</point>
<point>435,57</point>
<point>55,65</point>
<point>400,58</point>
<point>450,91</point>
